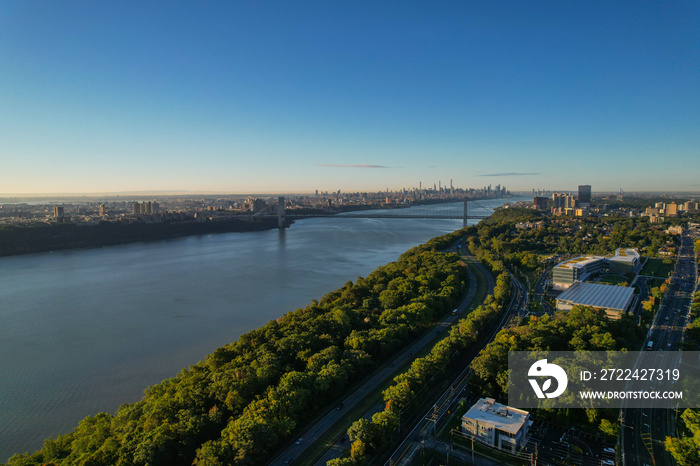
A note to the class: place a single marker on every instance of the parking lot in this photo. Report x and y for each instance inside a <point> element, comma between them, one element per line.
<point>557,445</point>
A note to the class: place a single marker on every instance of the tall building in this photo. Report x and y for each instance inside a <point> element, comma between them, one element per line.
<point>584,195</point>
<point>558,200</point>
<point>569,201</point>
<point>539,203</point>
<point>58,211</point>
<point>671,209</point>
<point>562,202</point>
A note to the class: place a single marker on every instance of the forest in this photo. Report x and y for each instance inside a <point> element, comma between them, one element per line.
<point>246,398</point>
<point>370,436</point>
<point>581,329</point>
<point>497,243</point>
<point>249,397</point>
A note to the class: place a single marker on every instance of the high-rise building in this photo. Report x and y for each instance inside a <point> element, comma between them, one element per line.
<point>539,203</point>
<point>58,211</point>
<point>569,201</point>
<point>671,209</point>
<point>584,195</point>
<point>559,200</point>
<point>563,202</point>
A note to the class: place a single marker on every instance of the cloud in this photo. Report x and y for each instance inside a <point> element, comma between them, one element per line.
<point>358,165</point>
<point>510,174</point>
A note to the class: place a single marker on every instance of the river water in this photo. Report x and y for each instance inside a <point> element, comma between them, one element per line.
<point>84,331</point>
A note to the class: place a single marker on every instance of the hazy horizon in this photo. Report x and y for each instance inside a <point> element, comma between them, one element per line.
<point>130,194</point>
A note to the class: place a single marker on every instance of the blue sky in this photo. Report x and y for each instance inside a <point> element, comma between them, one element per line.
<point>245,97</point>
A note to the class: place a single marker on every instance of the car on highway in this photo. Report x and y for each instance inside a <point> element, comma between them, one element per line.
<point>301,439</point>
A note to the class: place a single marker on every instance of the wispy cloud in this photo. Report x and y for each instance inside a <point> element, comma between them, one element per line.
<point>510,174</point>
<point>357,165</point>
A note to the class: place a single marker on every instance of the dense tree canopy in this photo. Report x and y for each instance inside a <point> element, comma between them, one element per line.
<point>237,405</point>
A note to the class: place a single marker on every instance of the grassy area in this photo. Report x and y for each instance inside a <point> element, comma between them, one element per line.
<point>654,282</point>
<point>611,279</point>
<point>657,268</point>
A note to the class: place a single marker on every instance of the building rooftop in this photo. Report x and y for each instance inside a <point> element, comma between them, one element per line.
<point>597,295</point>
<point>579,261</point>
<point>500,416</point>
<point>624,255</point>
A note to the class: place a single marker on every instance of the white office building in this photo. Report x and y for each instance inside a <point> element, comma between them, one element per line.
<point>497,425</point>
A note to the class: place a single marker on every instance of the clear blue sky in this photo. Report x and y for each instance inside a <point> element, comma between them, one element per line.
<point>295,96</point>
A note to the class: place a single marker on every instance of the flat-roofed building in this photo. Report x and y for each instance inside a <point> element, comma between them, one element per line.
<point>671,210</point>
<point>614,300</point>
<point>497,425</point>
<point>539,203</point>
<point>690,206</point>
<point>624,261</point>
<point>584,195</point>
<point>579,268</point>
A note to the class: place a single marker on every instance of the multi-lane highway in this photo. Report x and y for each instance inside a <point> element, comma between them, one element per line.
<point>426,427</point>
<point>311,435</point>
<point>644,430</point>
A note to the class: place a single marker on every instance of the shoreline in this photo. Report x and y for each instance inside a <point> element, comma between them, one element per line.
<point>17,241</point>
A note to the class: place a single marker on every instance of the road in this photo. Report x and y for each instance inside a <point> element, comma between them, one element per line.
<point>428,424</point>
<point>311,435</point>
<point>644,430</point>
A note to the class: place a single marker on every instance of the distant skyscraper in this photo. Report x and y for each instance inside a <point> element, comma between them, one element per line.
<point>584,195</point>
<point>58,211</point>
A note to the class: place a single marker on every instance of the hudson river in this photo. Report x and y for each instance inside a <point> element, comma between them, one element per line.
<point>85,331</point>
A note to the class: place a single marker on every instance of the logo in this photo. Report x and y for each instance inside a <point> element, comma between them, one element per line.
<point>542,368</point>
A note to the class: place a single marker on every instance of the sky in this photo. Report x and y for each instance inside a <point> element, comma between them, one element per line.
<point>264,97</point>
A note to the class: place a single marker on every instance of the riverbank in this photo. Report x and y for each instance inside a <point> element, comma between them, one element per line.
<point>60,237</point>
<point>57,237</point>
<point>115,320</point>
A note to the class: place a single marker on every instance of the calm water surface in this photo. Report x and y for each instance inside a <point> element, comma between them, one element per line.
<point>83,332</point>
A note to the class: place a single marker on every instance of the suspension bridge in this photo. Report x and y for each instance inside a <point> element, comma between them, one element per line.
<point>429,211</point>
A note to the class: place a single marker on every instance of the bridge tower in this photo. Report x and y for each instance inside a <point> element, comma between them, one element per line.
<point>464,214</point>
<point>280,212</point>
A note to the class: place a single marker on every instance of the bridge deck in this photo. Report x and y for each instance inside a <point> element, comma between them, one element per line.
<point>435,216</point>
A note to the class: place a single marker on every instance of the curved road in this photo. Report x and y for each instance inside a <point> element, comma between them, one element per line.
<point>311,435</point>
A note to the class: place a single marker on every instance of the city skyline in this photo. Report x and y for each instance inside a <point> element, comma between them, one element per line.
<point>243,98</point>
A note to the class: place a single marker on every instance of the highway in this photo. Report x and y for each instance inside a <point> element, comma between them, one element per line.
<point>311,435</point>
<point>423,431</point>
<point>644,430</point>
